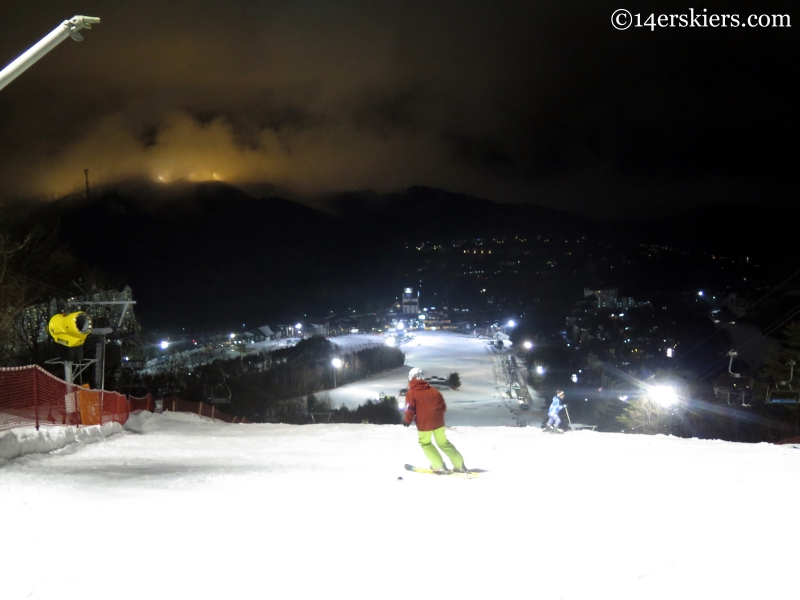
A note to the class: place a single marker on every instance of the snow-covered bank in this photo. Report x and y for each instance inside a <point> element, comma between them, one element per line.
<point>208,510</point>
<point>26,440</point>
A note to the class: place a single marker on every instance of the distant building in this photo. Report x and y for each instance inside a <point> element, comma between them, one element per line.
<point>738,306</point>
<point>610,298</point>
<point>437,319</point>
<point>318,329</point>
<point>410,302</point>
<point>267,332</point>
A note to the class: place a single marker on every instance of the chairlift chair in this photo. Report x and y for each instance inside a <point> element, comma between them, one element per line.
<point>732,387</point>
<point>217,393</point>
<point>782,392</point>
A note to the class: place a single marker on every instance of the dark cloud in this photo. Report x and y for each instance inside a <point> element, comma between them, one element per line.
<point>527,102</point>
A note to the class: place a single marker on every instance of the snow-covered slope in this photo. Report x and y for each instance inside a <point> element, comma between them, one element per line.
<point>479,400</point>
<point>178,506</point>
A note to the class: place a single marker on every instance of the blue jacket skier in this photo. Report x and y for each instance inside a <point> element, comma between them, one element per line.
<point>553,421</point>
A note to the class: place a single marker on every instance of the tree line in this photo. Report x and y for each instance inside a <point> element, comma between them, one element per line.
<point>268,386</point>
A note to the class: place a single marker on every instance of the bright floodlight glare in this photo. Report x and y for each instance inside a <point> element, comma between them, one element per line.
<point>233,335</point>
<point>511,323</point>
<point>574,378</point>
<point>299,326</point>
<point>336,362</point>
<point>700,293</point>
<point>164,345</point>
<point>401,325</point>
<point>528,345</point>
<point>663,395</point>
<point>390,341</point>
<point>540,370</point>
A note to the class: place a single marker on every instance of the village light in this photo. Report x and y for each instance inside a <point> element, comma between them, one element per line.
<point>511,323</point>
<point>164,344</point>
<point>528,345</point>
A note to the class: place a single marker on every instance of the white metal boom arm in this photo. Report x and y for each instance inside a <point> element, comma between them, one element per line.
<point>51,40</point>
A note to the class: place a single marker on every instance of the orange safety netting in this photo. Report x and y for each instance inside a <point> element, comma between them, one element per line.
<point>175,404</point>
<point>32,396</point>
<point>145,403</point>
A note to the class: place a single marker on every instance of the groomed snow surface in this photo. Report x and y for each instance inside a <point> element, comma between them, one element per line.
<point>178,506</point>
<point>479,401</point>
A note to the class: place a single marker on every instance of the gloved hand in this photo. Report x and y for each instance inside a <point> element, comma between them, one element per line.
<point>565,405</point>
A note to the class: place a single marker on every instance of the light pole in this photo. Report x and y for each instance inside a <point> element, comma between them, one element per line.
<point>70,28</point>
<point>337,364</point>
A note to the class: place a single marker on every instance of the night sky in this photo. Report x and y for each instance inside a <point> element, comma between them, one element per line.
<point>540,102</point>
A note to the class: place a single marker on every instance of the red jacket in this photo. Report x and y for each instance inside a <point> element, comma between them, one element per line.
<point>426,403</point>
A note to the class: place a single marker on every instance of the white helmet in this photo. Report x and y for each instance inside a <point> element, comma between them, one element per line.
<point>415,373</point>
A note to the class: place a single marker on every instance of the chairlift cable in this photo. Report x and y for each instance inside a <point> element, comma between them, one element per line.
<point>769,329</point>
<point>42,283</point>
<point>767,295</point>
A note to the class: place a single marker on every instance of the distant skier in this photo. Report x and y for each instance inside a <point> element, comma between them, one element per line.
<point>427,406</point>
<point>555,407</point>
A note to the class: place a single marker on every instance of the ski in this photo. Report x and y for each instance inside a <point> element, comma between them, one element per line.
<point>467,475</point>
<point>554,430</point>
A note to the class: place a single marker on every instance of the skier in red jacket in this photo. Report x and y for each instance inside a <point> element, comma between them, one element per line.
<point>428,407</point>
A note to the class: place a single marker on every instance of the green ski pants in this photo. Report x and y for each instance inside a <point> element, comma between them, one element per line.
<point>441,440</point>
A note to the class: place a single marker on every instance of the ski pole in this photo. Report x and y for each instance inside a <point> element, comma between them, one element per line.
<point>568,419</point>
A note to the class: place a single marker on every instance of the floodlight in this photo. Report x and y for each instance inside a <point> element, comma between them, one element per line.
<point>663,395</point>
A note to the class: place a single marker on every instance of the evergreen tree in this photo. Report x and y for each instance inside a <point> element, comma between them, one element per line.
<point>454,380</point>
<point>776,367</point>
<point>776,370</point>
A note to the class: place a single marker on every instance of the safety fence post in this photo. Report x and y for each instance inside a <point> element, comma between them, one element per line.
<point>35,399</point>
